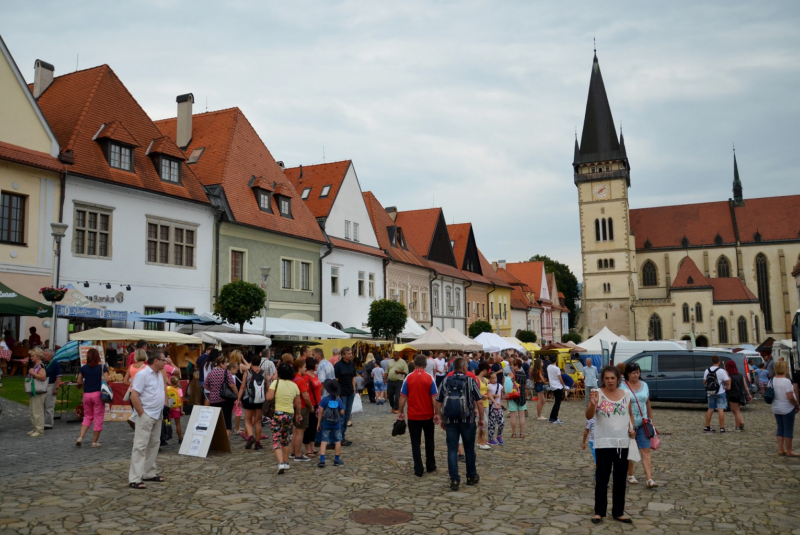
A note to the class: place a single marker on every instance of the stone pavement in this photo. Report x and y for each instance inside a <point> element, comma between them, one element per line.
<point>731,483</point>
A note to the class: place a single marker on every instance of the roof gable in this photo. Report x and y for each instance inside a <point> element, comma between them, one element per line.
<point>315,178</point>
<point>381,224</point>
<point>427,231</point>
<point>464,247</point>
<point>724,289</point>
<point>533,275</point>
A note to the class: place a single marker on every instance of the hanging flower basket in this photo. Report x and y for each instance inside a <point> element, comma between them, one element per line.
<point>52,294</point>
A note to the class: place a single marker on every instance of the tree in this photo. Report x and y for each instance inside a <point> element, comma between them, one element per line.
<point>566,280</point>
<point>387,318</point>
<point>239,302</point>
<point>479,327</point>
<point>526,336</point>
<point>571,337</point>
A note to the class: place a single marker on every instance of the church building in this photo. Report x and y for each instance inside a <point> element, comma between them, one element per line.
<point>718,271</point>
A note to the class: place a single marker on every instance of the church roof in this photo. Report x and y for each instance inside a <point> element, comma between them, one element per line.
<point>724,289</point>
<point>599,140</point>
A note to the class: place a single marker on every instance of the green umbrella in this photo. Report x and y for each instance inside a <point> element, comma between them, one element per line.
<point>353,330</point>
<point>14,304</point>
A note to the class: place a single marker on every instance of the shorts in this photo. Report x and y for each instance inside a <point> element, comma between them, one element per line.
<point>514,407</point>
<point>717,402</point>
<point>246,405</point>
<point>303,424</point>
<point>763,384</point>
<point>538,387</point>
<point>380,386</point>
<point>641,438</point>
<point>331,436</point>
<point>175,414</point>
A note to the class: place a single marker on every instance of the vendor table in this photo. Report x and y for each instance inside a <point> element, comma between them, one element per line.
<point>63,400</point>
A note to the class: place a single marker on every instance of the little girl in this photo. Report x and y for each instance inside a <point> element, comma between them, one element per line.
<point>233,369</point>
<point>496,420</point>
<point>175,400</point>
<point>589,433</point>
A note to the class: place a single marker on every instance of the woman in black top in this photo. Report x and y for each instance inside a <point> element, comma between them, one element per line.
<point>91,376</point>
<point>738,395</point>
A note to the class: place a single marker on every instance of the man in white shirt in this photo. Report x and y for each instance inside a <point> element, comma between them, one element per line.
<point>717,402</point>
<point>148,395</point>
<point>267,366</point>
<point>441,369</point>
<point>430,364</point>
<point>557,387</point>
<point>324,366</point>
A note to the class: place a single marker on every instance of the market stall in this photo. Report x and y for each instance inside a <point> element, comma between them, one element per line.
<point>434,340</point>
<point>494,343</point>
<point>468,343</point>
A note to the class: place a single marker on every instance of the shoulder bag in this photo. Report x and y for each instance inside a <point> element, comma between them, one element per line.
<point>35,386</point>
<point>225,391</point>
<point>268,408</point>
<point>769,393</point>
<point>647,423</point>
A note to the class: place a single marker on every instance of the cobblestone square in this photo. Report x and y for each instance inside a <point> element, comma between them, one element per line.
<point>733,483</point>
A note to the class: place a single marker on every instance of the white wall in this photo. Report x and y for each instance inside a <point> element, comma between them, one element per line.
<point>535,322</point>
<point>350,310</point>
<point>442,318</point>
<point>519,320</point>
<point>349,206</point>
<point>166,286</point>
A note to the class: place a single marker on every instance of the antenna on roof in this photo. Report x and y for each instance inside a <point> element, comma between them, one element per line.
<point>323,154</point>
<point>594,40</point>
<point>206,103</point>
<point>77,57</point>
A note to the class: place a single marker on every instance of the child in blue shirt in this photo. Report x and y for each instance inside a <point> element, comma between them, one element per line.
<point>589,433</point>
<point>331,423</point>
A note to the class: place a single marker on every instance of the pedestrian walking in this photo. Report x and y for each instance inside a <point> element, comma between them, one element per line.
<point>589,378</point>
<point>287,403</point>
<point>90,378</point>
<point>175,403</point>
<point>302,417</point>
<point>716,382</point>
<point>459,404</point>
<point>738,395</point>
<point>315,389</point>
<point>557,388</point>
<point>640,394</point>
<point>483,385</point>
<point>36,387</point>
<point>369,381</point>
<point>784,406</point>
<point>611,406</point>
<point>440,367</point>
<point>496,420</point>
<point>379,384</point>
<point>345,372</point>
<point>329,415</point>
<point>517,407</point>
<point>538,386</point>
<point>214,380</point>
<point>418,393</point>
<point>396,374</point>
<point>148,395</point>
<point>53,371</point>
<point>252,396</point>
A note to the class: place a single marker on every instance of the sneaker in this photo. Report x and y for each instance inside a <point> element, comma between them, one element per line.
<point>454,484</point>
<point>286,466</point>
<point>722,430</point>
<point>709,430</point>
<point>462,458</point>
<point>32,431</point>
<point>321,464</point>
<point>281,468</point>
<point>559,422</point>
<point>346,443</point>
<point>338,463</point>
<point>484,447</point>
<point>473,480</point>
<point>291,455</point>
<point>542,418</point>
<point>250,442</point>
<point>493,442</point>
<point>259,446</point>
<point>500,441</point>
<point>302,459</point>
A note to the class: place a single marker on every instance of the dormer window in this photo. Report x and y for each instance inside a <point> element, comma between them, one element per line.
<point>325,191</point>
<point>196,153</point>
<point>170,170</point>
<point>120,156</point>
<point>305,194</point>
<point>264,201</point>
<point>285,206</point>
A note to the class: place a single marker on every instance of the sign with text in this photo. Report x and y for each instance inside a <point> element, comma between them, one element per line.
<point>206,431</point>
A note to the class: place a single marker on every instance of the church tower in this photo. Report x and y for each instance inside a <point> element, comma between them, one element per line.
<point>602,176</point>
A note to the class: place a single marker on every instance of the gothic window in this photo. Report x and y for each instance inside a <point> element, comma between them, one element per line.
<point>723,267</point>
<point>649,275</point>
<point>762,276</point>
<point>596,230</point>
<point>742,326</point>
<point>599,264</point>
<point>722,325</point>
<point>610,229</point>
<point>655,327</point>
<point>698,312</point>
<point>685,313</point>
<point>611,263</point>
<point>605,230</point>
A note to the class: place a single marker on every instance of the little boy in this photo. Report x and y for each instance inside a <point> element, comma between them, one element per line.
<point>359,383</point>
<point>329,419</point>
<point>589,433</point>
<point>175,402</point>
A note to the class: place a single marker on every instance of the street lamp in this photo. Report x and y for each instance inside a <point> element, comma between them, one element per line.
<point>59,230</point>
<point>264,277</point>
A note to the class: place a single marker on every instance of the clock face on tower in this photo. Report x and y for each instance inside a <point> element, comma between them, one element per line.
<point>601,190</point>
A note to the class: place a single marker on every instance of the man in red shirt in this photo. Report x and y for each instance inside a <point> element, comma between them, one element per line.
<point>419,393</point>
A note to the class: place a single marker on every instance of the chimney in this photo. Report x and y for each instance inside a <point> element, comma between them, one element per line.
<point>281,165</point>
<point>392,211</point>
<point>184,120</point>
<point>501,264</point>
<point>42,77</point>
<point>301,173</point>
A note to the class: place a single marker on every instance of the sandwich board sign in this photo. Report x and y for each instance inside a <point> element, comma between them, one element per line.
<point>206,431</point>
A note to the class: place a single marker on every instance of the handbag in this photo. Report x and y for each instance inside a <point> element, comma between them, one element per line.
<point>647,423</point>
<point>35,386</point>
<point>769,393</point>
<point>127,396</point>
<point>106,394</point>
<point>514,394</point>
<point>268,407</point>
<point>655,442</point>
<point>633,451</point>
<point>357,406</point>
<point>225,391</point>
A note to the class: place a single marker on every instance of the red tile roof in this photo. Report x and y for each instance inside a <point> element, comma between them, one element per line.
<point>459,235</point>
<point>32,158</point>
<point>165,145</point>
<point>76,105</point>
<point>529,273</point>
<point>491,274</point>
<point>357,247</point>
<point>775,218</point>
<point>448,271</point>
<point>380,224</point>
<point>419,226</point>
<point>317,177</point>
<point>724,289</point>
<point>116,130</point>
<point>234,153</point>
<point>520,290</point>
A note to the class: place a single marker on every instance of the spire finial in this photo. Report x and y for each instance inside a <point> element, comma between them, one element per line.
<point>594,40</point>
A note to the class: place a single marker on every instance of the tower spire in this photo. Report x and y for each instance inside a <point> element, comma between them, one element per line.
<point>599,137</point>
<point>738,199</point>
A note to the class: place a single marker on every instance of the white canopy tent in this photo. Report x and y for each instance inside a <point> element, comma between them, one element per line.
<point>434,339</point>
<point>494,343</point>
<point>275,327</point>
<point>469,343</point>
<point>107,334</point>
<point>210,337</point>
<point>411,330</point>
<point>592,345</point>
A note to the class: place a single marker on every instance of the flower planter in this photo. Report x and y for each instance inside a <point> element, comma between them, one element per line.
<point>53,296</point>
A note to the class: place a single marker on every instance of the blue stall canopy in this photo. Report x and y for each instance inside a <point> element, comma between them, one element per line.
<point>75,305</point>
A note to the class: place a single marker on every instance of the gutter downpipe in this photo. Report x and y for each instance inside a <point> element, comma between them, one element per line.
<point>465,306</point>
<point>430,284</point>
<point>494,287</point>
<point>329,245</point>
<point>216,257</point>
<point>57,258</point>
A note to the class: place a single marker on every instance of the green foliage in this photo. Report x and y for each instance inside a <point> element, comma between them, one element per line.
<point>239,302</point>
<point>526,336</point>
<point>571,337</point>
<point>566,280</point>
<point>387,318</point>
<point>479,327</point>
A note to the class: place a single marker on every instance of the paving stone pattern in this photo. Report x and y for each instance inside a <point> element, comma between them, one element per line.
<point>733,483</point>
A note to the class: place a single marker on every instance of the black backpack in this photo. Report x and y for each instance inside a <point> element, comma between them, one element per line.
<point>712,382</point>
<point>456,399</point>
<point>330,413</point>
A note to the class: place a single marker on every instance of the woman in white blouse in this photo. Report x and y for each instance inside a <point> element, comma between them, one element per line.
<point>611,407</point>
<point>784,407</point>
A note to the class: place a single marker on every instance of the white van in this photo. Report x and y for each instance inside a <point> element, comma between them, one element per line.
<point>623,351</point>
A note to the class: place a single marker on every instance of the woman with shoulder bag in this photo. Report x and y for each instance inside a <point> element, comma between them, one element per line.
<point>538,387</point>
<point>738,395</point>
<point>642,422</point>
<point>255,380</point>
<point>36,387</point>
<point>286,397</point>
<point>91,378</point>
<point>218,396</point>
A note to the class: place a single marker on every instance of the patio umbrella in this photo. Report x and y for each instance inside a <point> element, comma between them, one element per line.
<point>14,304</point>
<point>353,330</point>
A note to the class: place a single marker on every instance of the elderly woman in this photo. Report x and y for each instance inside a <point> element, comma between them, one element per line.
<point>36,374</point>
<point>213,385</point>
<point>90,377</point>
<point>784,407</point>
<point>611,406</point>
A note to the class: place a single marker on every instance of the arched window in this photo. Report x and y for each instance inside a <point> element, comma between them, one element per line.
<point>723,267</point>
<point>610,229</point>
<point>435,301</point>
<point>596,230</point>
<point>762,276</point>
<point>685,313</point>
<point>611,263</point>
<point>698,312</point>
<point>654,329</point>
<point>722,325</point>
<point>742,326</point>
<point>599,264</point>
<point>758,331</point>
<point>605,264</point>
<point>458,301</point>
<point>605,230</point>
<point>649,275</point>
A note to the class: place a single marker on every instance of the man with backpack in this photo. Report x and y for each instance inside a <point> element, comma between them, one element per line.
<point>716,382</point>
<point>461,405</point>
<point>419,393</point>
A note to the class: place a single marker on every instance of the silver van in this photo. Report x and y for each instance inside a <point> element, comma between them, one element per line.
<point>678,375</point>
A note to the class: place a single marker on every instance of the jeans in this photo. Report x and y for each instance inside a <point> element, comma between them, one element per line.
<point>558,395</point>
<point>348,412</point>
<point>466,432</point>
<point>609,459</point>
<point>371,391</point>
<point>785,424</point>
<point>393,393</point>
<point>415,430</point>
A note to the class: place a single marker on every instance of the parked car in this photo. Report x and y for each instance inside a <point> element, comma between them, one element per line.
<point>623,351</point>
<point>678,375</point>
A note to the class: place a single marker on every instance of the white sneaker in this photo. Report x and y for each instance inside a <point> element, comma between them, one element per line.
<point>281,468</point>
<point>484,447</point>
<point>287,466</point>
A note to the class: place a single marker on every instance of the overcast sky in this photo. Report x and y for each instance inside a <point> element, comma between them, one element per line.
<point>472,106</point>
